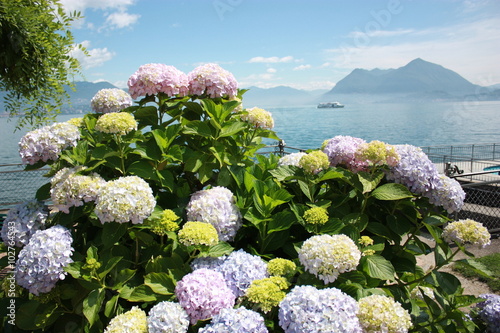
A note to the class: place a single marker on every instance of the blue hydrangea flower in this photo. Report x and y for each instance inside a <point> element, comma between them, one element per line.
<point>217,207</point>
<point>41,263</point>
<point>447,193</point>
<point>22,221</point>
<point>167,317</point>
<point>203,293</point>
<point>341,151</point>
<point>489,311</point>
<point>239,320</point>
<point>309,310</point>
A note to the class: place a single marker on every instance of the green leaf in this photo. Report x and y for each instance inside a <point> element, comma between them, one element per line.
<point>368,181</point>
<point>221,249</point>
<point>198,128</point>
<point>112,232</point>
<point>281,221</point>
<point>231,129</point>
<point>161,283</point>
<point>92,305</point>
<point>110,308</point>
<point>143,169</point>
<point>140,293</point>
<point>445,281</point>
<point>43,193</point>
<point>377,267</point>
<point>147,115</point>
<point>391,191</point>
<point>110,264</point>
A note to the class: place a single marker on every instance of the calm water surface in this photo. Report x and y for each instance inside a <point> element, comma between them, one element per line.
<point>307,126</point>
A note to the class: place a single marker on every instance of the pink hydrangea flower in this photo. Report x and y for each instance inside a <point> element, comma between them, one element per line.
<point>151,79</point>
<point>212,80</point>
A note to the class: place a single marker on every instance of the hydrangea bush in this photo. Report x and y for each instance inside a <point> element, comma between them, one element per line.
<point>162,216</point>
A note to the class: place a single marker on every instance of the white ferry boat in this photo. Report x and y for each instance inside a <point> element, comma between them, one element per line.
<point>330,105</point>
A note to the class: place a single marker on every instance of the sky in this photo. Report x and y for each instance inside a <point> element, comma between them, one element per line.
<point>301,44</point>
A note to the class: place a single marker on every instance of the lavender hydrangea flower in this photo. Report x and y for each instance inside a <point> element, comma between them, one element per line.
<point>448,193</point>
<point>240,269</point>
<point>125,199</point>
<point>70,189</point>
<point>167,317</point>
<point>212,263</point>
<point>46,143</point>
<point>110,100</point>
<point>341,151</point>
<point>41,263</point>
<point>327,256</point>
<point>217,207</point>
<point>309,310</point>
<point>151,79</point>
<point>291,159</point>
<point>22,221</point>
<point>489,311</point>
<point>203,294</point>
<point>212,80</point>
<point>414,170</point>
<point>240,320</point>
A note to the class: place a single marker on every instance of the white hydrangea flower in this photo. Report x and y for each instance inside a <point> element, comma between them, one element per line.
<point>132,321</point>
<point>125,199</point>
<point>291,159</point>
<point>327,256</point>
<point>167,317</point>
<point>378,313</point>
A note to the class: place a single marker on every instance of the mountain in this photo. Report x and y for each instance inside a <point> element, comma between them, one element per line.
<point>81,95</point>
<point>417,79</point>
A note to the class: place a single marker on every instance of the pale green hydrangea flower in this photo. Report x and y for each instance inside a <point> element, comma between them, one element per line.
<point>167,222</point>
<point>116,123</point>
<point>281,267</point>
<point>377,153</point>
<point>268,292</point>
<point>259,118</point>
<point>316,215</point>
<point>132,321</point>
<point>314,162</point>
<point>78,122</point>
<point>378,313</point>
<point>365,241</point>
<point>198,233</point>
<point>467,232</point>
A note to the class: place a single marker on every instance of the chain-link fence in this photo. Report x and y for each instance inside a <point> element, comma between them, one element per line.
<point>17,185</point>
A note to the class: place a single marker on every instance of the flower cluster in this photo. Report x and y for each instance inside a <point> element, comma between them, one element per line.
<point>46,143</point>
<point>132,321</point>
<point>281,267</point>
<point>378,313</point>
<point>316,215</point>
<point>291,159</point>
<point>326,256</point>
<point>203,293</point>
<point>22,221</point>
<point>377,153</point>
<point>341,151</point>
<point>365,241</point>
<point>116,123</point>
<point>167,222</point>
<point>259,118</point>
<point>151,79</point>
<point>267,293</point>
<point>70,189</point>
<point>240,269</point>
<point>217,207</point>
<point>41,262</point>
<point>78,122</point>
<point>212,80</point>
<point>467,232</point>
<point>167,317</point>
<point>420,175</point>
<point>125,199</point>
<point>420,291</point>
<point>240,320</point>
<point>489,311</point>
<point>110,100</point>
<point>309,310</point>
<point>314,162</point>
<point>198,233</point>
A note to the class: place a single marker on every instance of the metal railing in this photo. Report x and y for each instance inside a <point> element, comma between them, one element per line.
<point>18,185</point>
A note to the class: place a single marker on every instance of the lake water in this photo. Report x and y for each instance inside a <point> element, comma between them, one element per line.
<point>395,123</point>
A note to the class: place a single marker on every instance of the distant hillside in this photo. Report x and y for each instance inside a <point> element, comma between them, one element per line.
<point>418,78</point>
<point>82,94</point>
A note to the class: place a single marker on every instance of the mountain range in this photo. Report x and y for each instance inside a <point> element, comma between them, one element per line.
<point>418,81</point>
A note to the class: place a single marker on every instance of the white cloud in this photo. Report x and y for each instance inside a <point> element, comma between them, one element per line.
<point>122,19</point>
<point>470,49</point>
<point>271,70</point>
<point>96,57</point>
<point>271,59</point>
<point>82,5</point>
<point>302,67</point>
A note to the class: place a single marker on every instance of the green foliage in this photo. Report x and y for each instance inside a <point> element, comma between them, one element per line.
<point>184,145</point>
<point>486,269</point>
<point>35,64</point>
